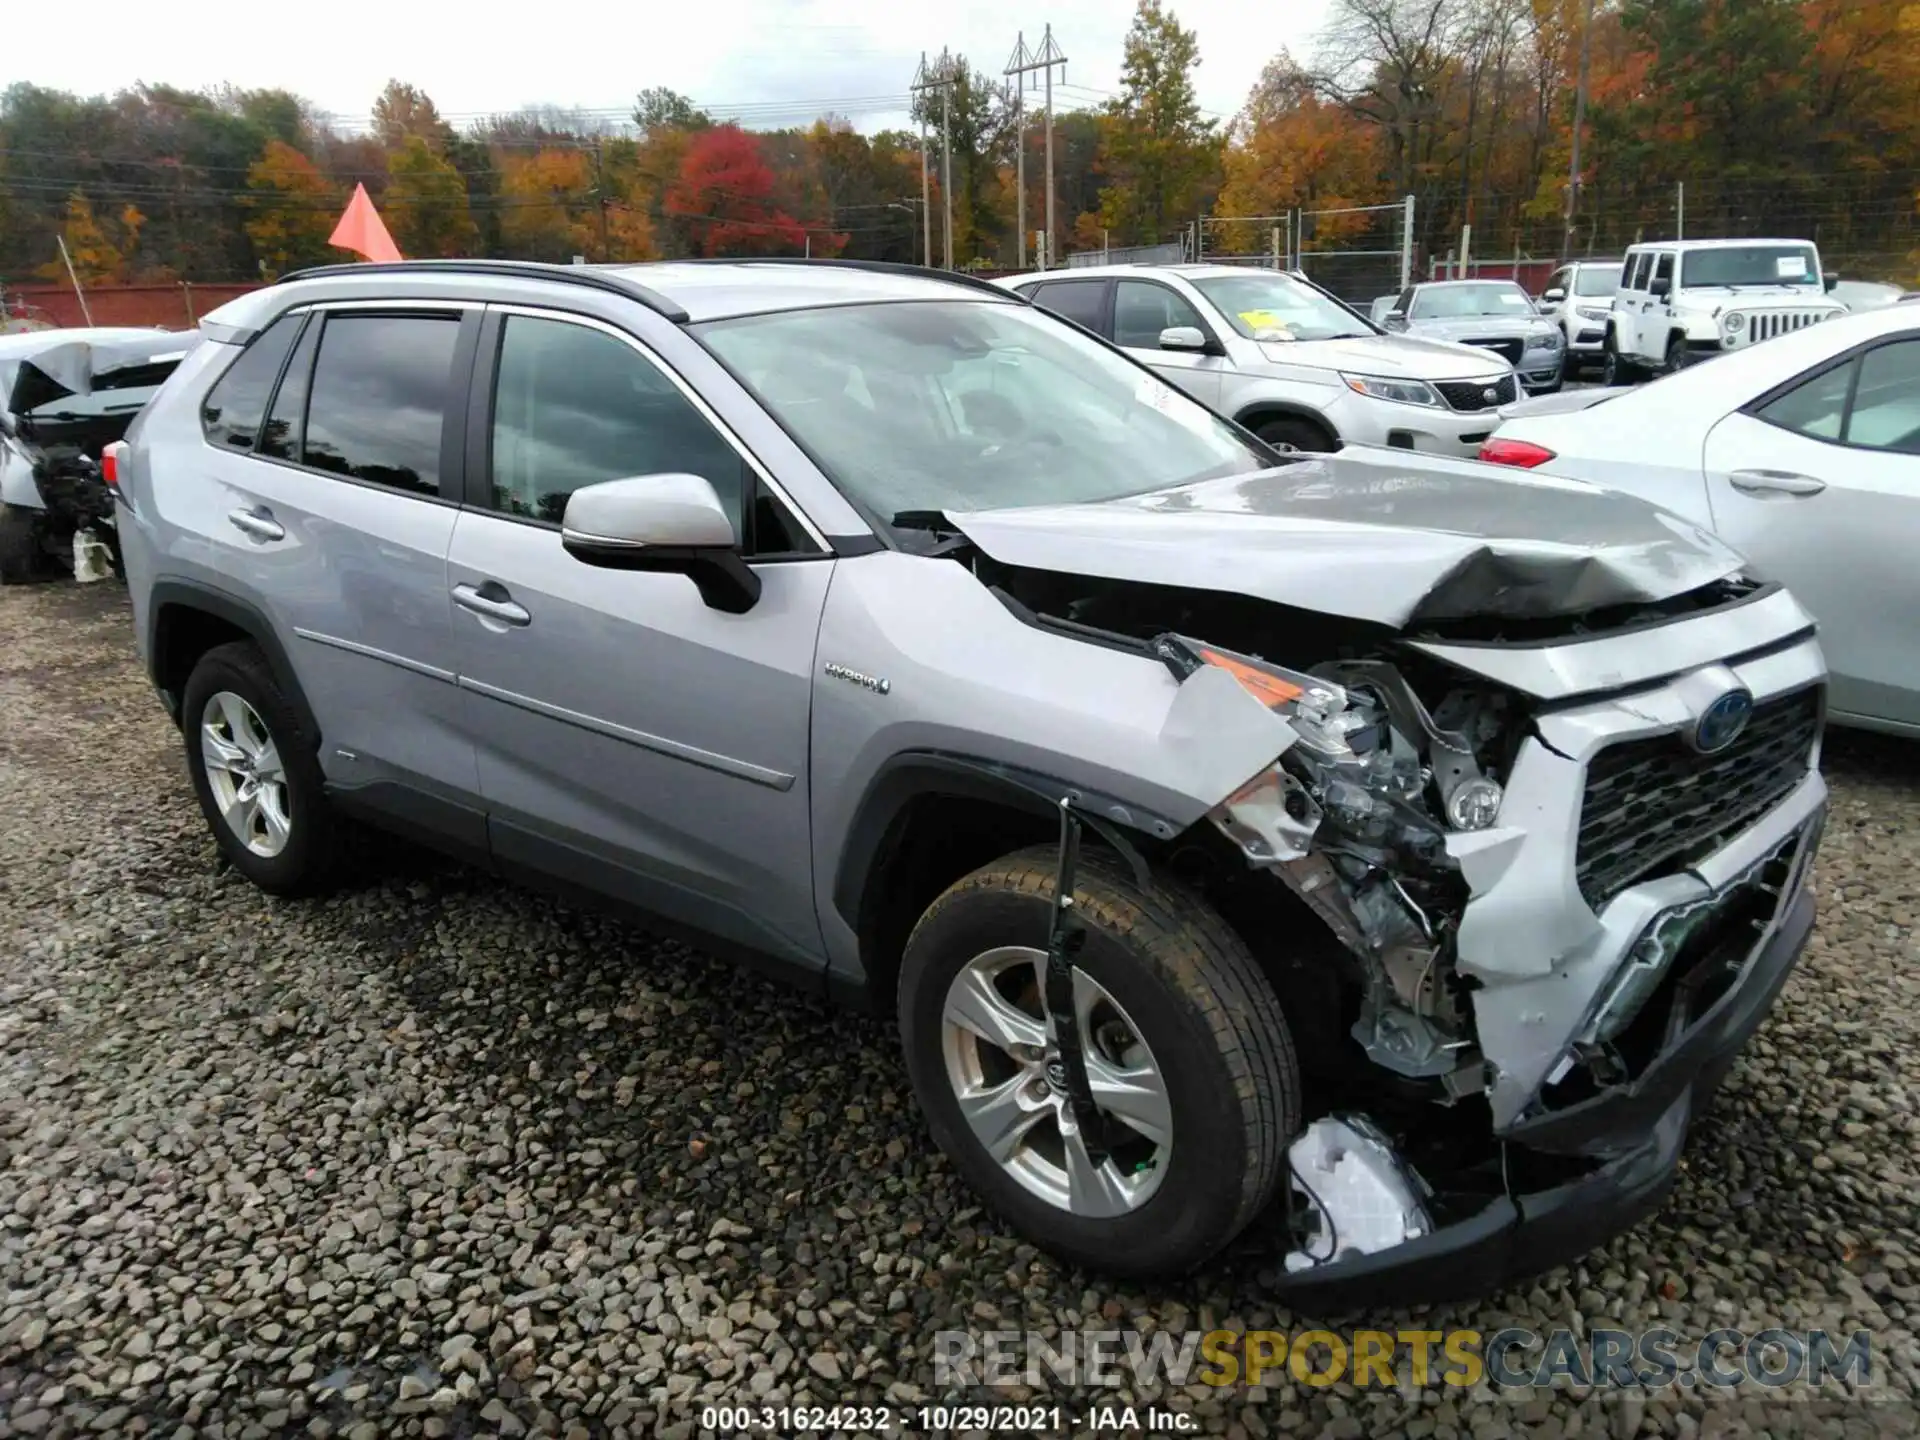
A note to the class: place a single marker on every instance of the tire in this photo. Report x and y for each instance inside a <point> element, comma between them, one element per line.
<point>1186,987</point>
<point>306,858</point>
<point>1616,369</point>
<point>20,558</point>
<point>1676,354</point>
<point>1292,436</point>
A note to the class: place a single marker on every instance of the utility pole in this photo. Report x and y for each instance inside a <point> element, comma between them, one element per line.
<point>1043,60</point>
<point>600,200</point>
<point>941,77</point>
<point>1579,123</point>
<point>1018,65</point>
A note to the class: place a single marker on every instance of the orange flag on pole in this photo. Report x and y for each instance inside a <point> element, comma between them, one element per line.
<point>361,231</point>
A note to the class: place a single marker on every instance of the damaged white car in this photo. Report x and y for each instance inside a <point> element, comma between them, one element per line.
<point>65,395</point>
<point>1407,844</point>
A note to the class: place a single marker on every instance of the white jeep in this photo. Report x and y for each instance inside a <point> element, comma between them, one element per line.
<point>1682,300</point>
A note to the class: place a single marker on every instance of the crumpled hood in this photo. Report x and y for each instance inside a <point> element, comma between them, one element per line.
<point>68,366</point>
<point>1368,535</point>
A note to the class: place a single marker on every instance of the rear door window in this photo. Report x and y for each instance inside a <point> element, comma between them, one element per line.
<point>378,400</point>
<point>1143,308</point>
<point>230,415</point>
<point>1082,301</point>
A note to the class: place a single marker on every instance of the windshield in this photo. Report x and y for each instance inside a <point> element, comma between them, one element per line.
<point>1263,305</point>
<point>1751,265</point>
<point>963,405</point>
<point>1596,280</point>
<point>1466,302</point>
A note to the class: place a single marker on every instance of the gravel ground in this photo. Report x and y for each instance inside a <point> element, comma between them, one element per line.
<point>441,1157</point>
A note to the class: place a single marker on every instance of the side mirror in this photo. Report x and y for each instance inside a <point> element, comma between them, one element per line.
<point>1183,337</point>
<point>670,522</point>
<point>1831,279</point>
<point>1396,320</point>
<point>1660,289</point>
<point>1554,296</point>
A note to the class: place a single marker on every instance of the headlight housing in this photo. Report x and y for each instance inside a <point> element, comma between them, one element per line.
<point>1736,322</point>
<point>1547,337</point>
<point>1401,392</point>
<point>1594,312</point>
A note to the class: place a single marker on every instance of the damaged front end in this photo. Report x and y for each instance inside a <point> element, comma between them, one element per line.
<point>1560,921</point>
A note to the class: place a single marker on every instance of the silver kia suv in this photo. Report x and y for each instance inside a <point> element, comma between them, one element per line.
<point>1408,840</point>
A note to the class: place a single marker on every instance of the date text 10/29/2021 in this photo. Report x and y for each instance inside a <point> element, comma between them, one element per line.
<point>944,1419</point>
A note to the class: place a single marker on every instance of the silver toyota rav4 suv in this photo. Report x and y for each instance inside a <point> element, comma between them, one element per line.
<point>1406,841</point>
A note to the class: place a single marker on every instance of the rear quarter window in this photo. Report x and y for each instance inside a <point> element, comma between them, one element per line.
<point>230,416</point>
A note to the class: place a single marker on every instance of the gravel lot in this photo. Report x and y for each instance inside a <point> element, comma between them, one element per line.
<point>441,1157</point>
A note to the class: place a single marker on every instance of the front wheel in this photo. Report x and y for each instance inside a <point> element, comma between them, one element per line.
<point>1294,437</point>
<point>1615,368</point>
<point>1677,356</point>
<point>1188,1056</point>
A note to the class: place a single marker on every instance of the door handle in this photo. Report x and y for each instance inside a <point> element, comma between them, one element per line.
<point>493,607</point>
<point>258,523</point>
<point>1774,482</point>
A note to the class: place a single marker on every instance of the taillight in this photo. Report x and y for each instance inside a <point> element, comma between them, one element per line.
<point>111,459</point>
<point>1523,453</point>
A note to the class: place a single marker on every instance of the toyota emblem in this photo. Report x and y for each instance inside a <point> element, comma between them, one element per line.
<point>1722,721</point>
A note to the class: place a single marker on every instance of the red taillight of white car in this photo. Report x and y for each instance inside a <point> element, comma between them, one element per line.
<point>1523,453</point>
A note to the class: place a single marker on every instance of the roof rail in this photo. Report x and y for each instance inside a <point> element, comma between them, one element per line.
<point>593,279</point>
<point>878,267</point>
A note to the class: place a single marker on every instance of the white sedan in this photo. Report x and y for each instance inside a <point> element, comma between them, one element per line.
<point>1803,452</point>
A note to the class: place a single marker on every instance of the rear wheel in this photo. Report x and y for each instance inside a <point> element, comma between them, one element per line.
<point>1293,436</point>
<point>256,773</point>
<point>1188,1056</point>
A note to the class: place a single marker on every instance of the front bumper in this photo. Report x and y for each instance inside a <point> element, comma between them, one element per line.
<point>1362,420</point>
<point>1522,1233</point>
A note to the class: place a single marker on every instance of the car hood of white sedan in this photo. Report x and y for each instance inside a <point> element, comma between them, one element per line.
<point>1368,535</point>
<point>1395,356</point>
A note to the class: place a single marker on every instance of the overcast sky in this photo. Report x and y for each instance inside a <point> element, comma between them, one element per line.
<point>779,61</point>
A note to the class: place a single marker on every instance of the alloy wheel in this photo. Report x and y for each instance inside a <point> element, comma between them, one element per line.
<point>1004,1066</point>
<point>244,772</point>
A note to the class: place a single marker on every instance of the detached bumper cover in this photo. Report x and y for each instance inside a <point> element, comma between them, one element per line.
<point>1522,1234</point>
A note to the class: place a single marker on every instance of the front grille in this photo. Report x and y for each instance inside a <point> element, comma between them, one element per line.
<point>1508,350</point>
<point>1651,802</point>
<point>1472,394</point>
<point>1766,324</point>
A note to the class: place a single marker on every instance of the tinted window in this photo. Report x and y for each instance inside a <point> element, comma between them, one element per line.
<point>231,413</point>
<point>1637,268</point>
<point>281,437</point>
<point>1816,407</point>
<point>575,406</point>
<point>379,398</point>
<point>1663,267</point>
<point>1141,310</point>
<point>1886,402</point>
<point>1078,300</point>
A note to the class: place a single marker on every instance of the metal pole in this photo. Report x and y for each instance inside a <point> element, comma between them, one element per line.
<point>1466,246</point>
<point>1579,123</point>
<point>1275,237</point>
<point>926,201</point>
<point>1020,161</point>
<point>1406,248</point>
<point>1050,229</point>
<point>1680,213</point>
<point>79,294</point>
<point>946,172</point>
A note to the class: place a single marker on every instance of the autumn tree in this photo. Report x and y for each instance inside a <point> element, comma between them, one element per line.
<point>425,205</point>
<point>725,193</point>
<point>548,205</point>
<point>98,256</point>
<point>1292,149</point>
<point>404,112</point>
<point>1160,155</point>
<point>292,208</point>
<point>659,108</point>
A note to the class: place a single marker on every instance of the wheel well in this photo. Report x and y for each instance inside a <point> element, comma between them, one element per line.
<point>1256,414</point>
<point>181,635</point>
<point>931,841</point>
